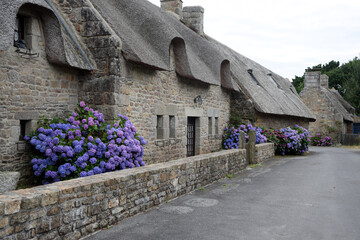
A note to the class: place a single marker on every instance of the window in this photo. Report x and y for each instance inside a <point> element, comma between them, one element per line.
<point>356,128</point>
<point>159,127</point>
<point>172,127</point>
<point>25,128</point>
<point>19,35</point>
<point>273,80</point>
<point>216,126</point>
<point>210,125</point>
<point>292,90</point>
<point>250,71</point>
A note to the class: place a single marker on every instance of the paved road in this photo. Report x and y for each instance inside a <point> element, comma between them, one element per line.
<point>307,197</point>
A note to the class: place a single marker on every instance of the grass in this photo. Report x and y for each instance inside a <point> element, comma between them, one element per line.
<point>255,165</point>
<point>229,175</point>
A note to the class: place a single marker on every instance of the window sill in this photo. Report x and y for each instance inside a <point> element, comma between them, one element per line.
<point>22,146</point>
<point>166,142</point>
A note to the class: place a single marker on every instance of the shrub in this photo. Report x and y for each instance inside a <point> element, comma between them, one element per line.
<point>84,145</point>
<point>320,139</point>
<point>231,136</point>
<point>292,140</point>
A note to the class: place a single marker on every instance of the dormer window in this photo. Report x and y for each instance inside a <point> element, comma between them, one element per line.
<point>19,34</point>
<point>273,80</point>
<point>250,71</point>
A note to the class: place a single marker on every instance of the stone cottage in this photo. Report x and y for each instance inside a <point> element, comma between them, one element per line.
<point>334,115</point>
<point>155,65</point>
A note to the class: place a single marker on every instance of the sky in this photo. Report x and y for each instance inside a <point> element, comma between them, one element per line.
<point>286,36</point>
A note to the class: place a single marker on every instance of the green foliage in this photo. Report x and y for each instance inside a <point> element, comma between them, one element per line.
<point>298,83</point>
<point>229,175</point>
<point>345,78</point>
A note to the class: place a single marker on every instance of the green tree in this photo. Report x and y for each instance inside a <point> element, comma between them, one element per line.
<point>345,78</point>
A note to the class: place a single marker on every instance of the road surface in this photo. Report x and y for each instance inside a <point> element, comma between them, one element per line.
<point>315,197</point>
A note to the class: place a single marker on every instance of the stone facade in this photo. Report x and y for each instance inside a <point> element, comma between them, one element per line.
<point>331,116</point>
<point>74,209</point>
<point>31,87</point>
<point>158,101</point>
<point>278,122</point>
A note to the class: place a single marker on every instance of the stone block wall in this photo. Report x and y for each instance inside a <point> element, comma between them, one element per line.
<point>242,108</point>
<point>264,152</point>
<point>150,93</point>
<point>278,122</point>
<point>328,121</point>
<point>30,88</point>
<point>76,208</point>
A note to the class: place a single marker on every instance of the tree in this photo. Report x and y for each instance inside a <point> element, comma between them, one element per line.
<point>345,78</point>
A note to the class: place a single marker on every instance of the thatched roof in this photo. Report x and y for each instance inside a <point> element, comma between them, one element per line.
<point>339,103</point>
<point>60,48</point>
<point>147,32</point>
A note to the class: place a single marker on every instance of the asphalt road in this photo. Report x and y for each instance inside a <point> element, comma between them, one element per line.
<point>316,196</point>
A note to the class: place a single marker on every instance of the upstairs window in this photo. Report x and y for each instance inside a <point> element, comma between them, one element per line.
<point>250,71</point>
<point>273,80</point>
<point>19,34</point>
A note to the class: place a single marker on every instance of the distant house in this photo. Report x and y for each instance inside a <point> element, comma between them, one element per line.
<point>334,115</point>
<point>155,65</point>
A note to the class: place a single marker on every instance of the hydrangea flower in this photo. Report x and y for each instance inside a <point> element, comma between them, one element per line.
<point>82,144</point>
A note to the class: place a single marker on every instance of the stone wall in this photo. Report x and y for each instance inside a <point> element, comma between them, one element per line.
<point>76,208</point>
<point>264,152</point>
<point>328,121</point>
<point>30,87</point>
<point>152,93</point>
<point>278,122</point>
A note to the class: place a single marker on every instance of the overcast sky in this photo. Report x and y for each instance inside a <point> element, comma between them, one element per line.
<point>285,36</point>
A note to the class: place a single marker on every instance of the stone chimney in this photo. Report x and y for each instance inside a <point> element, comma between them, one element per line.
<point>312,80</point>
<point>324,81</point>
<point>174,6</point>
<point>194,18</point>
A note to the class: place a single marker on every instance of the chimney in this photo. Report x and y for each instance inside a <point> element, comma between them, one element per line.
<point>194,18</point>
<point>174,6</point>
<point>312,80</point>
<point>324,81</point>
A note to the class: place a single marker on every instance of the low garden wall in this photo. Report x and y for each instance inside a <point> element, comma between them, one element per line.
<point>264,152</point>
<point>77,208</point>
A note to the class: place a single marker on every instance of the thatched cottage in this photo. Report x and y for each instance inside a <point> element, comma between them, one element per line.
<point>155,65</point>
<point>334,114</point>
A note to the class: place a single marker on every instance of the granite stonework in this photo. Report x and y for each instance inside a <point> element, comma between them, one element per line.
<point>334,116</point>
<point>264,152</point>
<point>8,181</point>
<point>278,122</point>
<point>30,88</point>
<point>120,82</point>
<point>76,208</point>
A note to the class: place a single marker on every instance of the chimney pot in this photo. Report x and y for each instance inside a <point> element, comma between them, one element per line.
<point>324,81</point>
<point>194,18</point>
<point>312,79</point>
<point>174,6</point>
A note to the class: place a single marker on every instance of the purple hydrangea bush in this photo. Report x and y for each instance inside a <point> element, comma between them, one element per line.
<point>231,136</point>
<point>321,139</point>
<point>83,145</point>
<point>287,141</point>
<point>292,141</point>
